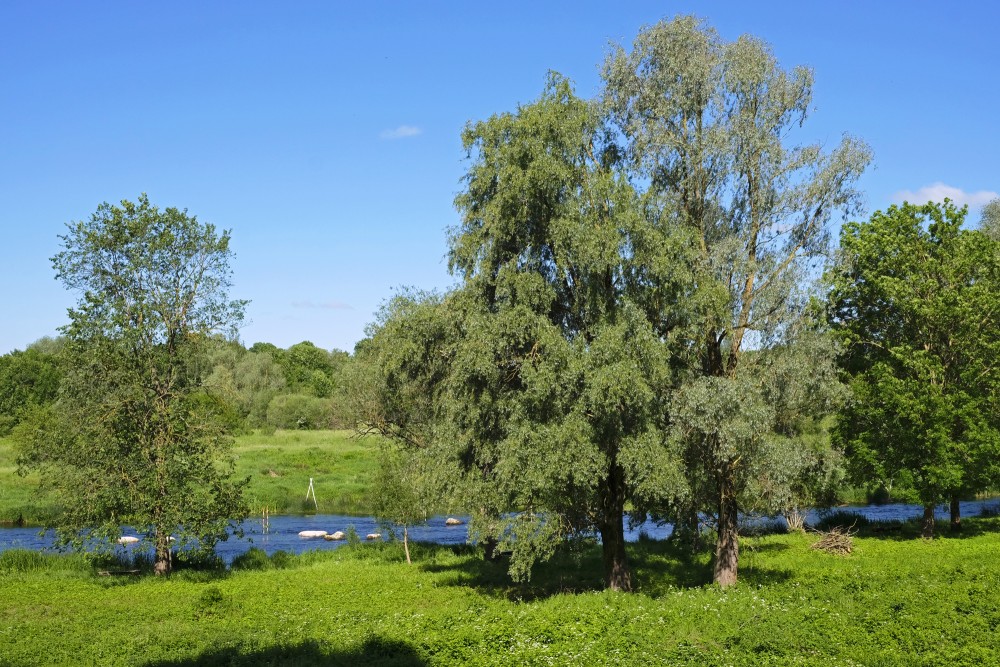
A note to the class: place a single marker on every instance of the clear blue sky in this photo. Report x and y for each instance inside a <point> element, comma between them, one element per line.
<point>325,135</point>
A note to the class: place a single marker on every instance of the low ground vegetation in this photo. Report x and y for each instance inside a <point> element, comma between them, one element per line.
<point>894,600</point>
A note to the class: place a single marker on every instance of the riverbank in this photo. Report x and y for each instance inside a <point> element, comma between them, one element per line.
<point>892,601</point>
<point>279,466</point>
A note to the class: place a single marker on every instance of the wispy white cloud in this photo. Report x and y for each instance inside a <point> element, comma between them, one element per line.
<point>938,191</point>
<point>326,305</point>
<point>401,132</point>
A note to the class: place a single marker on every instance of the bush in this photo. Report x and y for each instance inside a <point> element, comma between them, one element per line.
<point>841,519</point>
<point>282,559</point>
<point>253,559</point>
<point>760,526</point>
<point>299,411</point>
<point>22,560</point>
<point>990,511</point>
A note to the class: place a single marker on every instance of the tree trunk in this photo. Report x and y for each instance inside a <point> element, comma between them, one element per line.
<point>406,546</point>
<point>617,576</point>
<point>927,525</point>
<point>727,549</point>
<point>956,514</point>
<point>490,545</point>
<point>162,563</point>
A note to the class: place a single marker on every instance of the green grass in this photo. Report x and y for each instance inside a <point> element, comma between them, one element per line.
<point>22,500</point>
<point>891,602</point>
<point>279,466</point>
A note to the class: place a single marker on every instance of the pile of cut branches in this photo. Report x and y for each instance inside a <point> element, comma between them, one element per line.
<point>837,540</point>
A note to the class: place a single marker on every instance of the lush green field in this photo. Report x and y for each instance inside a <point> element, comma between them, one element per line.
<point>279,466</point>
<point>21,499</point>
<point>892,602</point>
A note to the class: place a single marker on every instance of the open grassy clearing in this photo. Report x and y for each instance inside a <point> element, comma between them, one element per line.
<point>279,466</point>
<point>893,601</point>
<point>21,499</point>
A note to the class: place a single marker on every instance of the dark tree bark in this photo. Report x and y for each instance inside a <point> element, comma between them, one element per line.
<point>956,514</point>
<point>727,549</point>
<point>617,575</point>
<point>490,552</point>
<point>927,525</point>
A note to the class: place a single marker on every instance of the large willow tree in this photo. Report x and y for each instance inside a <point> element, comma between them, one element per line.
<point>707,128</point>
<point>631,325</point>
<point>538,378</point>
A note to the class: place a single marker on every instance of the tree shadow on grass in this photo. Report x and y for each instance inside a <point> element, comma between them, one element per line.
<point>570,570</point>
<point>663,567</point>
<point>374,652</point>
<point>910,529</point>
<point>658,567</point>
<point>115,573</point>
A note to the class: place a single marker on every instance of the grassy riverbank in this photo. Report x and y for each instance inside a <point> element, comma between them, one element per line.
<point>22,501</point>
<point>279,466</point>
<point>892,602</point>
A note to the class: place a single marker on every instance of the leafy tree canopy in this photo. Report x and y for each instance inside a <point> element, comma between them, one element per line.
<point>633,323</point>
<point>28,380</point>
<point>916,298</point>
<point>135,437</point>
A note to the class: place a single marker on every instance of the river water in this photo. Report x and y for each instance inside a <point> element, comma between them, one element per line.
<point>283,531</point>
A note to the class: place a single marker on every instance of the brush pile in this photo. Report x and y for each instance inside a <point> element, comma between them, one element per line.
<point>838,540</point>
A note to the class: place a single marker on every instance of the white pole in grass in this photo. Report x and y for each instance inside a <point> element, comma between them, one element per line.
<point>312,491</point>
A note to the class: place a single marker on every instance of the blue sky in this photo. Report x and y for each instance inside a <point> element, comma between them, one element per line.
<point>325,135</point>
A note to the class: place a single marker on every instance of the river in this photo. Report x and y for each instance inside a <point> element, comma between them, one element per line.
<point>283,531</point>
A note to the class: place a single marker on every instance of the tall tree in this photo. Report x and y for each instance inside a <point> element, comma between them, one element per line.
<point>134,436</point>
<point>633,323</point>
<point>537,379</point>
<point>706,127</point>
<point>917,301</point>
<point>565,370</point>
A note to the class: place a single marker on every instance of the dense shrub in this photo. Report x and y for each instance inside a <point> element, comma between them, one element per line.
<point>841,519</point>
<point>299,411</point>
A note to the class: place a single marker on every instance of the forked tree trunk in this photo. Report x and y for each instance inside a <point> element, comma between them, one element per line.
<point>617,575</point>
<point>727,549</point>
<point>927,525</point>
<point>406,546</point>
<point>956,514</point>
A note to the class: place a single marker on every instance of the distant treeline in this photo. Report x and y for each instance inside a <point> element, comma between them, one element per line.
<point>261,388</point>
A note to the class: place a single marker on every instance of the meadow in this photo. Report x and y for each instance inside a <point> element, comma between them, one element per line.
<point>895,600</point>
<point>279,466</point>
